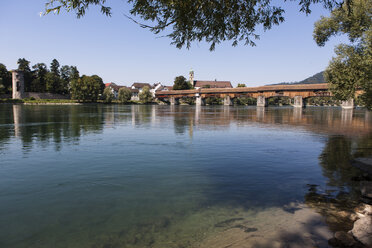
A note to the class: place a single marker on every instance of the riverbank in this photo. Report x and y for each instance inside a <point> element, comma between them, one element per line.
<point>59,102</point>
<point>359,231</point>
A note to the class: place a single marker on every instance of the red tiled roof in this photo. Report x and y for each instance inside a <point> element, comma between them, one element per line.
<point>212,84</point>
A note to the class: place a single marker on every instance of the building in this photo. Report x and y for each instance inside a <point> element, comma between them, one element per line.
<point>114,88</point>
<point>140,86</point>
<point>197,84</point>
<point>156,87</point>
<point>137,88</point>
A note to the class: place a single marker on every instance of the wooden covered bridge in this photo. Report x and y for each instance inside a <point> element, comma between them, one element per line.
<point>296,91</point>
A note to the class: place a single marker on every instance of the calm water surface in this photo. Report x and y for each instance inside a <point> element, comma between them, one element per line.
<point>166,176</point>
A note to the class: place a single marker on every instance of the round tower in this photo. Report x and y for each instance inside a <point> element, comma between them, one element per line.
<point>18,84</point>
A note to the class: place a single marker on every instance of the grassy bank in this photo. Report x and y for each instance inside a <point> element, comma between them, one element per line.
<point>60,101</point>
<point>37,101</point>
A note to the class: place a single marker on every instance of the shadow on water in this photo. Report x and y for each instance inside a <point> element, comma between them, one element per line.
<point>341,195</point>
<point>161,173</point>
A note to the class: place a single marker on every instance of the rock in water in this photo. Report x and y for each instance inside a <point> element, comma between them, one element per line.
<point>362,230</point>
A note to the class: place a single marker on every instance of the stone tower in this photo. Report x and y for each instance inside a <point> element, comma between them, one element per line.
<point>18,84</point>
<point>192,78</point>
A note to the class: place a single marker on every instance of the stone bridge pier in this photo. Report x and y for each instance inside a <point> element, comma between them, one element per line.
<point>173,101</point>
<point>199,101</point>
<point>298,102</point>
<point>261,101</point>
<point>227,101</point>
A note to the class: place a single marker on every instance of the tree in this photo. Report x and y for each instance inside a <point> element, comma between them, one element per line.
<point>24,65</point>
<point>351,69</point>
<point>145,95</point>
<point>38,83</point>
<point>65,77</point>
<point>124,95</point>
<point>108,95</point>
<point>74,73</point>
<point>54,67</point>
<point>242,85</point>
<point>68,73</point>
<point>197,20</point>
<point>5,80</point>
<point>180,83</point>
<point>86,88</point>
<point>53,83</point>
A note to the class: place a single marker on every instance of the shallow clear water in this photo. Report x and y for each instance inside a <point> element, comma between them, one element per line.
<point>165,176</point>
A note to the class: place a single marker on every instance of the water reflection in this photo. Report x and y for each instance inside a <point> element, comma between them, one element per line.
<point>337,200</point>
<point>43,124</point>
<point>163,176</point>
<point>67,123</point>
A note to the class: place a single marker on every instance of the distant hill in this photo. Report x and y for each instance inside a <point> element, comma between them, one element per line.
<point>315,79</point>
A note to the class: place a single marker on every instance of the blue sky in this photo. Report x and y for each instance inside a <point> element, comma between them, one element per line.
<point>120,51</point>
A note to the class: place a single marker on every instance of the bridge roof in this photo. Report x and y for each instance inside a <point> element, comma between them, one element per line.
<point>293,87</point>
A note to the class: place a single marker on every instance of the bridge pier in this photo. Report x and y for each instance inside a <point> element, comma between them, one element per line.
<point>348,104</point>
<point>199,101</point>
<point>298,102</point>
<point>227,101</point>
<point>173,101</point>
<point>261,101</point>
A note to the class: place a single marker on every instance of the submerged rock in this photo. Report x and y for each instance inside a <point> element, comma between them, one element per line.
<point>362,230</point>
<point>345,239</point>
<point>228,222</point>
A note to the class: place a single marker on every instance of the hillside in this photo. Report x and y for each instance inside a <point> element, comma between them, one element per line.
<point>315,79</point>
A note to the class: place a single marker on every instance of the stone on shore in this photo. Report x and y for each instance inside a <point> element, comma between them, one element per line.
<point>363,210</point>
<point>362,230</point>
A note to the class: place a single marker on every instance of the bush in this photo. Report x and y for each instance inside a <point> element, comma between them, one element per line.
<point>245,101</point>
<point>108,95</point>
<point>213,100</point>
<point>322,101</point>
<point>278,100</point>
<point>124,95</point>
<point>145,96</point>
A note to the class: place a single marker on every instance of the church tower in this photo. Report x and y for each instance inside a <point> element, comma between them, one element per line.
<point>192,78</point>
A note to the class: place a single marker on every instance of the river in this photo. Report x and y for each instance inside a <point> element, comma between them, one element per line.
<point>105,176</point>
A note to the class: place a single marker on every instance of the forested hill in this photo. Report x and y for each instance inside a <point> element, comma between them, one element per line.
<point>315,79</point>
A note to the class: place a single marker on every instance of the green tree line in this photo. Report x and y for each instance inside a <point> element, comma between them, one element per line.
<point>39,78</point>
<point>56,79</point>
